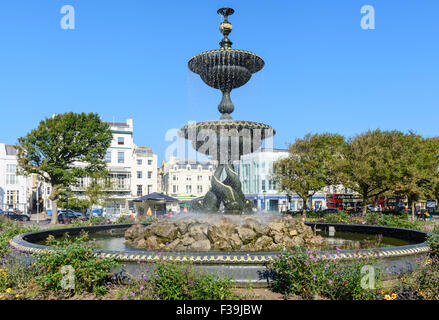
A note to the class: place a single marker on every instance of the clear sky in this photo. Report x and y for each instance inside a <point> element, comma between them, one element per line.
<point>323,72</point>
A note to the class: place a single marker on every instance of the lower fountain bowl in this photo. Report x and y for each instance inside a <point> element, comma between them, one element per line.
<point>245,267</point>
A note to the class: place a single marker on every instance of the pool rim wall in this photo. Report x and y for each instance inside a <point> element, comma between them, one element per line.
<point>21,242</point>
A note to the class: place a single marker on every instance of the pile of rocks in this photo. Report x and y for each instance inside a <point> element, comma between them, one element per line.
<point>223,233</point>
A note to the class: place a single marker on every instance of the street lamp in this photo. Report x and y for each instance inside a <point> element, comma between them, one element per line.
<point>265,207</point>
<point>38,203</point>
<point>67,198</point>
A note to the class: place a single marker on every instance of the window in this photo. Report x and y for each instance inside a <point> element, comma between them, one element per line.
<point>149,188</point>
<point>263,185</point>
<point>200,178</point>
<point>149,174</point>
<point>139,191</point>
<point>139,174</point>
<point>174,188</point>
<point>149,162</point>
<point>81,182</point>
<point>188,189</point>
<point>121,141</point>
<point>48,191</point>
<point>108,156</point>
<point>11,174</point>
<point>121,179</point>
<point>174,177</point>
<point>120,157</point>
<point>188,178</point>
<point>139,162</point>
<point>200,189</point>
<point>12,197</point>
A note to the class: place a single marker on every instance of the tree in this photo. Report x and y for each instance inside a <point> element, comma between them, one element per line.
<point>314,163</point>
<point>64,148</point>
<point>96,191</point>
<point>373,163</point>
<point>419,174</point>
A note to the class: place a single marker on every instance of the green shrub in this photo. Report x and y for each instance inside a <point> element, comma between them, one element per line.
<point>15,276</point>
<point>124,219</point>
<point>174,281</point>
<point>166,280</point>
<point>299,272</point>
<point>91,273</point>
<point>92,221</point>
<point>424,281</point>
<point>433,243</point>
<point>10,229</point>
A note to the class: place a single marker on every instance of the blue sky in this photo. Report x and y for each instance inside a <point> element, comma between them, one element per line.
<point>323,72</point>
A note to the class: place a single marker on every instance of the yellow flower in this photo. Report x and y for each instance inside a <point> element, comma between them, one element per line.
<point>387,297</point>
<point>8,290</point>
<point>428,261</point>
<point>18,296</point>
<point>383,292</point>
<point>394,295</point>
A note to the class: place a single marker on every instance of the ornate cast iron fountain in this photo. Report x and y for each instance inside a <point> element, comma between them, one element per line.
<point>225,140</point>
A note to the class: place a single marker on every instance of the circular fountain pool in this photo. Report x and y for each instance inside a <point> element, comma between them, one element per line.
<point>115,241</point>
<point>398,249</point>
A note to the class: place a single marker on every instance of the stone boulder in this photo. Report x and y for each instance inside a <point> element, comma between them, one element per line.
<point>223,233</point>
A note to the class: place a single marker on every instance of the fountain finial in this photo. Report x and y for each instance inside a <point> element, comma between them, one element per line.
<point>225,27</point>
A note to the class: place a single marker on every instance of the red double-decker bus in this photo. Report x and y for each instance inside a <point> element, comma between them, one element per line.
<point>385,203</point>
<point>347,202</point>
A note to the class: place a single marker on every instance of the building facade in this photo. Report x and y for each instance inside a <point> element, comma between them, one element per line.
<point>259,186</point>
<point>132,171</point>
<point>13,187</point>
<point>144,172</point>
<point>186,180</point>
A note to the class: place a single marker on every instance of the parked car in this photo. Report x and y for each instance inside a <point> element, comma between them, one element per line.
<point>16,216</point>
<point>67,216</point>
<point>79,214</point>
<point>95,213</point>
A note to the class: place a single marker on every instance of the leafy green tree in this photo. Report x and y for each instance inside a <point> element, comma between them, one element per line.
<point>374,163</point>
<point>314,162</point>
<point>95,192</point>
<point>419,176</point>
<point>63,148</point>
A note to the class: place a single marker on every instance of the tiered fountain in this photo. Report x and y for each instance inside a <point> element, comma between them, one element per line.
<point>225,140</point>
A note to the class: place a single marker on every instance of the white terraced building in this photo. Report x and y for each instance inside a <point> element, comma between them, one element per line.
<point>13,187</point>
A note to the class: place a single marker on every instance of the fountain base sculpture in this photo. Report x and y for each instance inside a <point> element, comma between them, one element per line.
<point>227,192</point>
<point>226,233</point>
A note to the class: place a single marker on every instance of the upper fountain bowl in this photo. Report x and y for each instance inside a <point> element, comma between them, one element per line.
<point>226,69</point>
